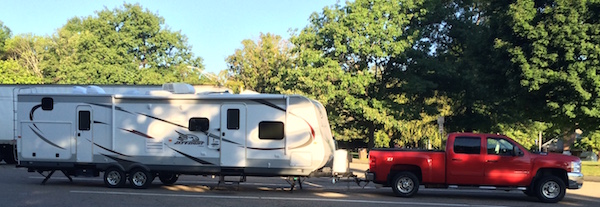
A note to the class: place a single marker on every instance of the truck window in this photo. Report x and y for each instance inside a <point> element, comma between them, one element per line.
<point>467,145</point>
<point>499,146</point>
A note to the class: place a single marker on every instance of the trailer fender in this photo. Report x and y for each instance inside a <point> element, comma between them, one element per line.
<point>137,165</point>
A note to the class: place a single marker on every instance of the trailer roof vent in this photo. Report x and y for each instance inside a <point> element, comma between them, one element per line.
<point>79,90</point>
<point>95,90</point>
<point>179,88</point>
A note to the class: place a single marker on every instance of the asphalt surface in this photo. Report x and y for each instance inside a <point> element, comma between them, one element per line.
<point>21,188</point>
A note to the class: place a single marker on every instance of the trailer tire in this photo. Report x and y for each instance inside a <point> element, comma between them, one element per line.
<point>405,184</point>
<point>168,178</point>
<point>114,177</point>
<point>550,189</point>
<point>140,178</point>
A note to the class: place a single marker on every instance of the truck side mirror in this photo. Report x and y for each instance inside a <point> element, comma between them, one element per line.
<point>516,151</point>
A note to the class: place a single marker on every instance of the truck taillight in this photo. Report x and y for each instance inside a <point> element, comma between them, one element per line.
<point>371,162</point>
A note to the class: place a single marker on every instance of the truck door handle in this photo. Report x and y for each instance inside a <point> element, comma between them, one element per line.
<point>492,160</point>
<point>456,159</point>
<point>223,134</point>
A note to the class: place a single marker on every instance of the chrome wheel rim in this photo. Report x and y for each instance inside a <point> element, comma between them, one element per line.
<point>139,179</point>
<point>405,185</point>
<point>550,189</point>
<point>113,178</point>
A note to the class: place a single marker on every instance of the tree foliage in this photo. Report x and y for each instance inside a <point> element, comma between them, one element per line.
<point>554,45</point>
<point>126,45</point>
<point>259,64</point>
<point>387,69</point>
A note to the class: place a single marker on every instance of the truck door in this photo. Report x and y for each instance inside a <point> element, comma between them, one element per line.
<point>233,135</point>
<point>502,167</point>
<point>465,162</point>
<point>83,133</point>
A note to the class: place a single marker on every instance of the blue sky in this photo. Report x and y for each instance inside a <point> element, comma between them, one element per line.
<point>214,28</point>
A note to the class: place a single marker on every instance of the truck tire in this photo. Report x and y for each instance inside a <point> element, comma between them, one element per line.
<point>114,178</point>
<point>168,178</point>
<point>405,184</point>
<point>550,189</point>
<point>140,178</point>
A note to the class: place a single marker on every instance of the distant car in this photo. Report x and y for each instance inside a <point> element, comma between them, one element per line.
<point>588,156</point>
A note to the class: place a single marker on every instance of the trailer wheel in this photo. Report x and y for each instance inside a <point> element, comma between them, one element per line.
<point>168,178</point>
<point>550,189</point>
<point>114,177</point>
<point>140,178</point>
<point>406,184</point>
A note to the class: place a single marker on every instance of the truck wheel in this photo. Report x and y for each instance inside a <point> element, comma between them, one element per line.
<point>168,178</point>
<point>114,178</point>
<point>550,189</point>
<point>406,184</point>
<point>140,178</point>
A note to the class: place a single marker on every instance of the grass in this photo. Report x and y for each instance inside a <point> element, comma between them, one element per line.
<point>589,168</point>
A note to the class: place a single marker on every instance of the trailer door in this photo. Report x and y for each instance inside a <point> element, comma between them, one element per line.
<point>84,133</point>
<point>233,135</point>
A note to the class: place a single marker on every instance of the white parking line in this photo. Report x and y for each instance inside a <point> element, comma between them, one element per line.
<point>272,198</point>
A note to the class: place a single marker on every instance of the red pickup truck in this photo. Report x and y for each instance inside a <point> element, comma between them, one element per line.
<point>485,161</point>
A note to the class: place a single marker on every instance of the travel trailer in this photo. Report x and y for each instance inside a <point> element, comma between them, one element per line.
<point>135,137</point>
<point>8,108</point>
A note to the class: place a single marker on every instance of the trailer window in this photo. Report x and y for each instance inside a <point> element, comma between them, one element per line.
<point>270,130</point>
<point>84,120</point>
<point>198,124</point>
<point>233,119</point>
<point>467,145</point>
<point>47,104</point>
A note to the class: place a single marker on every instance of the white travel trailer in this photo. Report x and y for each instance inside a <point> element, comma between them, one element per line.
<point>8,108</point>
<point>165,134</point>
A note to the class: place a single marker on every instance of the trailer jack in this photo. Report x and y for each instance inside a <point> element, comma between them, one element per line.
<point>47,177</point>
<point>236,182</point>
<point>295,180</point>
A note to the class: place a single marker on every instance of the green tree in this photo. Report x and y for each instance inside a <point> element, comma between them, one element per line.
<point>5,34</point>
<point>11,72</point>
<point>27,51</point>
<point>259,64</point>
<point>554,47</point>
<point>127,45</point>
<point>365,38</point>
<point>591,142</point>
